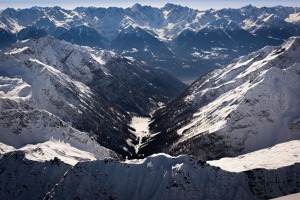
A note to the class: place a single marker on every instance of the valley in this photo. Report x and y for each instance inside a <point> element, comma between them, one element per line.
<point>159,103</point>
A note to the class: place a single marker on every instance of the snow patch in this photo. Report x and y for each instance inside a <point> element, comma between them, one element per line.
<point>280,155</point>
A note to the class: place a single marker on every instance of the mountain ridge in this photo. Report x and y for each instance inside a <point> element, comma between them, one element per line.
<point>249,105</point>
<point>164,26</point>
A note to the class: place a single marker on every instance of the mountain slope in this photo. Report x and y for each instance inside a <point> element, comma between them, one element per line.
<point>27,83</point>
<point>251,104</point>
<point>40,86</point>
<point>157,177</point>
<point>92,90</point>
<point>286,153</point>
<point>44,136</point>
<point>129,83</point>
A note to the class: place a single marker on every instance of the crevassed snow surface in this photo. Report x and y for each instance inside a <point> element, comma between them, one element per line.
<point>280,155</point>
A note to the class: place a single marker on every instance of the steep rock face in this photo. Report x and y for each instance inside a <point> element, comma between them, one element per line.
<point>157,177</point>
<point>31,32</point>
<point>138,87</point>
<point>251,104</point>
<point>40,176</point>
<point>6,38</point>
<point>83,35</point>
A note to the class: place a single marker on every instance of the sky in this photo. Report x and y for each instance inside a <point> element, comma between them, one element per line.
<point>196,4</point>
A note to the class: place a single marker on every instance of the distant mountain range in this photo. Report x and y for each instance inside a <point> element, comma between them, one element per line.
<point>184,41</point>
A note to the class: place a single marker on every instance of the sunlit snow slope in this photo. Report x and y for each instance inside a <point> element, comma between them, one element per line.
<point>280,155</point>
<point>251,104</point>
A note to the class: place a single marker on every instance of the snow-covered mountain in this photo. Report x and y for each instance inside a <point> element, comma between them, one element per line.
<point>129,83</point>
<point>89,90</point>
<point>68,113</point>
<point>185,41</point>
<point>251,104</point>
<point>157,177</point>
<point>43,136</point>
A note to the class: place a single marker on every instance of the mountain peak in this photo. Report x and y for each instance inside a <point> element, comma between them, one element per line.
<point>136,7</point>
<point>248,6</point>
<point>294,39</point>
<point>170,6</point>
<point>291,43</point>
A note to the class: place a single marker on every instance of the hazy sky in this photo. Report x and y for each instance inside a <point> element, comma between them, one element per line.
<point>197,4</point>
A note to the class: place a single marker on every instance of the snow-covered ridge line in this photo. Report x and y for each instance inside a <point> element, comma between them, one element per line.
<point>165,22</point>
<point>44,136</point>
<point>175,38</point>
<point>53,149</point>
<point>156,177</point>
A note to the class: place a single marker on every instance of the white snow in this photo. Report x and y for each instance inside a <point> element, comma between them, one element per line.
<point>165,24</point>
<point>48,150</point>
<point>5,148</point>
<point>33,96</point>
<point>166,13</point>
<point>293,18</point>
<point>253,103</point>
<point>289,197</point>
<point>14,88</point>
<point>14,25</point>
<point>280,155</point>
<point>18,50</point>
<point>196,54</point>
<point>141,126</point>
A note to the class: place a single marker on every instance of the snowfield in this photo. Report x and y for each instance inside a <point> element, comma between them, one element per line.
<point>49,150</point>
<point>280,155</point>
<point>289,197</point>
<point>141,126</point>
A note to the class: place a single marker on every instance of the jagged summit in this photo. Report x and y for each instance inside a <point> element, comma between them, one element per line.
<point>170,6</point>
<point>249,6</point>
